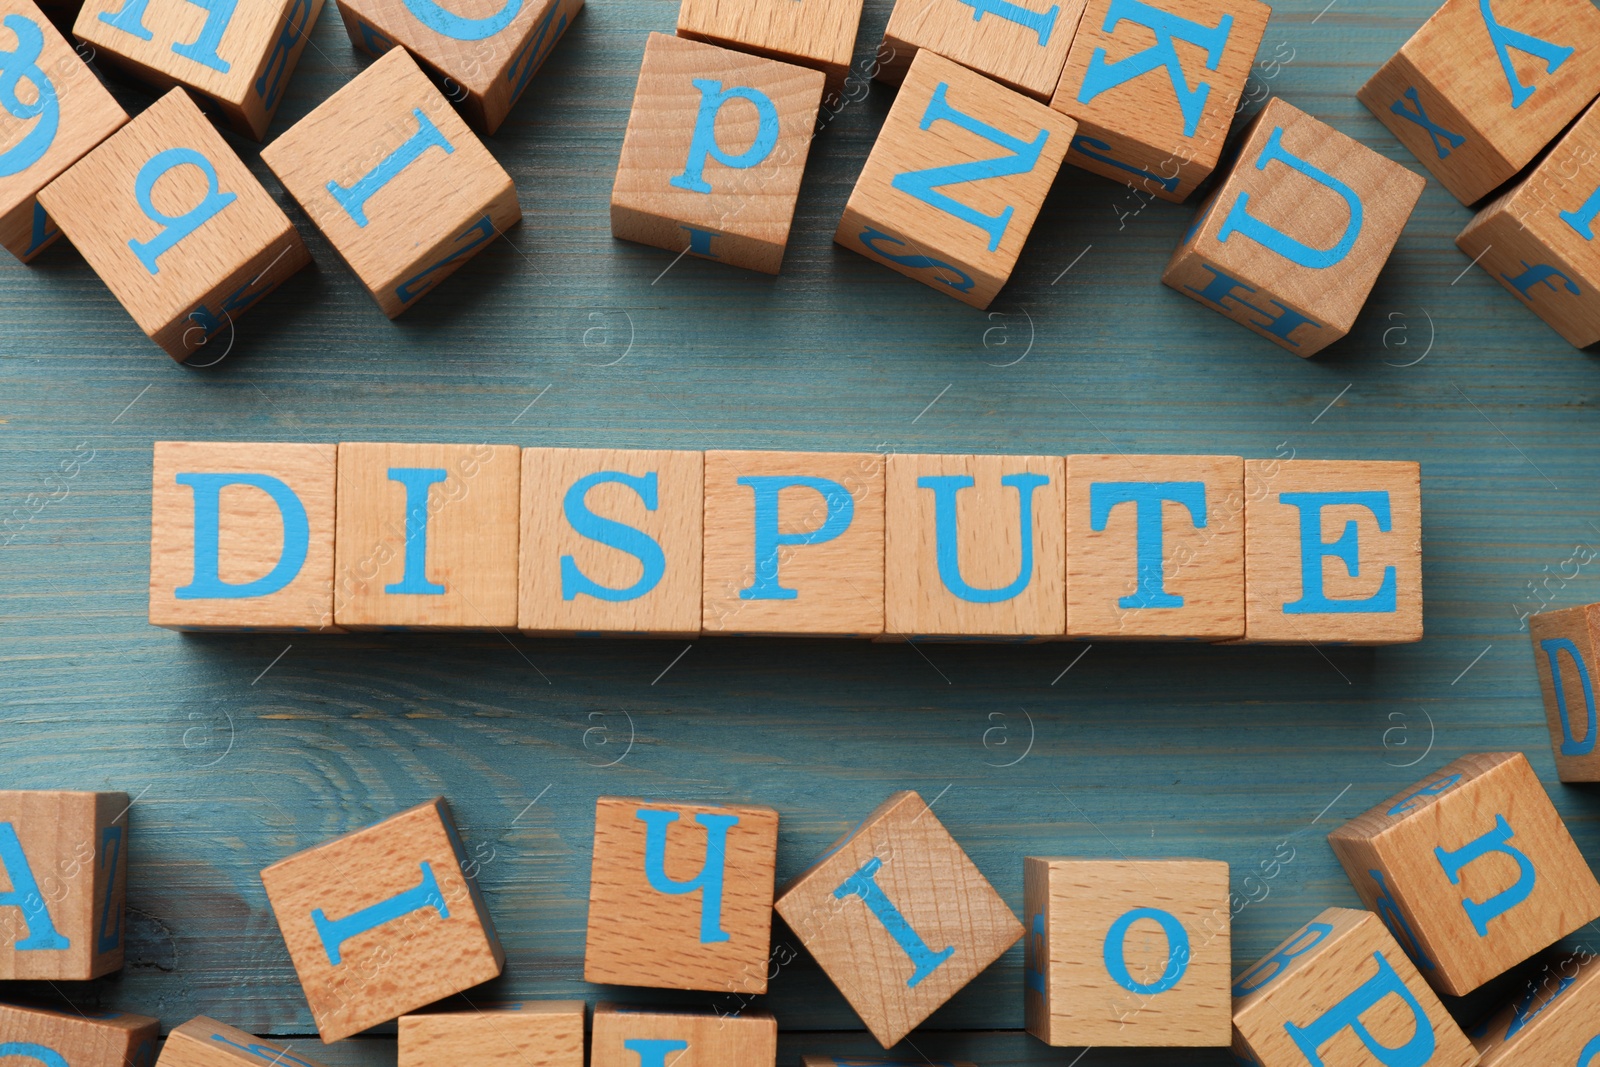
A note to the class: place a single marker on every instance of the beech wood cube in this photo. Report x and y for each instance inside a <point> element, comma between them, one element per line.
<point>1022,44</point>
<point>677,1037</point>
<point>96,1039</point>
<point>1555,1018</point>
<point>528,1033</point>
<point>203,1042</point>
<point>820,35</point>
<point>1565,643</point>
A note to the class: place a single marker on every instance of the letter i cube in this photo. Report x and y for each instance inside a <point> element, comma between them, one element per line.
<point>677,1037</point>
<point>1293,239</point>
<point>99,1039</point>
<point>203,1042</point>
<point>1022,44</point>
<point>176,225</point>
<point>898,916</point>
<point>1564,646</point>
<point>391,174</point>
<point>1555,1018</point>
<point>1472,870</point>
<point>527,1033</point>
<point>64,857</point>
<point>714,152</point>
<point>955,180</point>
<point>383,920</point>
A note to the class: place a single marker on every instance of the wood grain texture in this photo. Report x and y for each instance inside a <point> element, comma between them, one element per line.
<point>528,1033</point>
<point>1565,647</point>
<point>203,1042</point>
<point>835,1061</point>
<point>1024,50</point>
<point>1555,1019</point>
<point>692,1038</point>
<point>820,35</point>
<point>116,1039</point>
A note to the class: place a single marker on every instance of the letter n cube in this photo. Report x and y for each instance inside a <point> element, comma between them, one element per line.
<point>898,916</point>
<point>203,1042</point>
<point>1293,239</point>
<point>97,1039</point>
<point>1554,1018</point>
<point>678,1037</point>
<point>1565,644</point>
<point>383,920</point>
<point>1471,869</point>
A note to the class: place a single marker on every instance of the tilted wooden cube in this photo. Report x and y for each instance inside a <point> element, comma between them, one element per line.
<point>1565,646</point>
<point>176,225</point>
<point>1472,870</point>
<point>955,180</point>
<point>677,1037</point>
<point>1292,240</point>
<point>1340,993</point>
<point>383,920</point>
<point>818,35</point>
<point>528,1033</point>
<point>680,895</point>
<point>1555,1018</point>
<point>64,857</point>
<point>714,152</point>
<point>1145,117</point>
<point>1484,85</point>
<point>204,1042</point>
<point>898,916</point>
<point>96,1039</point>
<point>1022,44</point>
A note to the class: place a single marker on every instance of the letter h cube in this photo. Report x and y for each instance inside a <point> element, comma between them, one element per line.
<point>1565,645</point>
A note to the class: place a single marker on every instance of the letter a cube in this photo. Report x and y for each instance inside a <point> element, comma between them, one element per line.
<point>677,1037</point>
<point>714,152</point>
<point>203,1042</point>
<point>1485,85</point>
<point>383,920</point>
<point>401,187</point>
<point>1564,646</point>
<point>898,916</point>
<point>176,225</point>
<point>527,1033</point>
<point>1555,1018</point>
<point>1293,239</point>
<point>1472,870</point>
<point>1022,44</point>
<point>1340,993</point>
<point>955,180</point>
<point>99,1039</point>
<point>64,858</point>
<point>680,895</point>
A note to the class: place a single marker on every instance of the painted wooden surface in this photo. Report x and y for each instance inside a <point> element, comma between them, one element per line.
<point>241,749</point>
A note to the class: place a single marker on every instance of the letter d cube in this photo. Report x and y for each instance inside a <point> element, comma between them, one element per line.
<point>1472,870</point>
<point>1565,643</point>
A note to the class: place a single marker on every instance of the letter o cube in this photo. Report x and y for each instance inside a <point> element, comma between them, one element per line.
<point>1565,645</point>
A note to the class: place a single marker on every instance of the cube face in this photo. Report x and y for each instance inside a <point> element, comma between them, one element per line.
<point>644,1037</point>
<point>1155,547</point>
<point>1333,552</point>
<point>203,1042</point>
<point>529,1033</point>
<point>820,37</point>
<point>402,188</point>
<point>175,225</point>
<point>1483,86</point>
<point>65,860</point>
<point>102,1039</point>
<point>427,536</point>
<point>955,180</point>
<point>1553,1019</point>
<point>976,546</point>
<point>1472,870</point>
<point>1023,46</point>
<point>1125,83</point>
<point>384,920</point>
<point>611,541</point>
<point>1565,644</point>
<point>1293,239</point>
<point>898,916</point>
<point>680,895</point>
<point>794,543</point>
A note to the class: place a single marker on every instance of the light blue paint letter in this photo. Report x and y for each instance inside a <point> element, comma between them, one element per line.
<point>1496,840</point>
<point>838,509</point>
<point>1590,1052</point>
<point>863,884</point>
<point>1582,220</point>
<point>1177,951</point>
<point>1239,217</point>
<point>45,1055</point>
<point>203,49</point>
<point>653,1051</point>
<point>1346,1014</point>
<point>417,480</point>
<point>174,227</point>
<point>207,584</point>
<point>459,27</point>
<point>19,65</point>
<point>1147,499</point>
<point>25,896</point>
<point>1388,909</point>
<point>703,143</point>
<point>1267,971</point>
<point>1313,550</point>
<point>1040,22</point>
<point>1443,140</point>
<point>353,198</point>
<point>609,532</point>
<point>945,528</point>
<point>335,932</point>
<point>1166,26</point>
<point>708,881</point>
<point>1570,745</point>
<point>1553,54</point>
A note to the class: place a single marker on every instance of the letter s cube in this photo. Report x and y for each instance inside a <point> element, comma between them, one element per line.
<point>1565,644</point>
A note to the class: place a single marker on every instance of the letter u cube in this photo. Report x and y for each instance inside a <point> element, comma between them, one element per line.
<point>1565,646</point>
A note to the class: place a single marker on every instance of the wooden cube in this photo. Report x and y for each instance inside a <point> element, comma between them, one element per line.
<point>678,1037</point>
<point>1143,118</point>
<point>611,541</point>
<point>236,57</point>
<point>427,537</point>
<point>1155,547</point>
<point>1127,952</point>
<point>898,916</point>
<point>1293,239</point>
<point>820,36</point>
<point>1340,993</point>
<point>955,180</point>
<point>680,895</point>
<point>203,1042</point>
<point>176,225</point>
<point>1565,643</point>
<point>69,113</point>
<point>96,1039</point>
<point>404,191</point>
<point>241,536</point>
<point>1553,1019</point>
<point>714,152</point>
<point>856,1061</point>
<point>793,543</point>
<point>64,857</point>
<point>1471,869</point>
<point>1022,45</point>
<point>1333,552</point>
<point>976,546</point>
<point>528,1033</point>
<point>383,920</point>
<point>1484,85</point>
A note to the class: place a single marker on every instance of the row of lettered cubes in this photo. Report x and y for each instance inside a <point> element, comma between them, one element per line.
<point>577,541</point>
<point>1467,874</point>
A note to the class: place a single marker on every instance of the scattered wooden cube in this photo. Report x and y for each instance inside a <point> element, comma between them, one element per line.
<point>96,1039</point>
<point>1127,952</point>
<point>1143,118</point>
<point>427,536</point>
<point>1472,870</point>
<point>1293,239</point>
<point>203,1042</point>
<point>383,920</point>
<point>1483,86</point>
<point>1565,643</point>
<point>528,1033</point>
<point>1155,547</point>
<point>1551,1020</point>
<point>714,152</point>
<point>820,36</point>
<point>678,1037</point>
<point>680,895</point>
<point>955,180</point>
<point>898,916</point>
<point>1022,44</point>
<point>794,543</point>
<point>176,225</point>
<point>1333,552</point>
<point>404,191</point>
<point>1340,993</point>
<point>976,546</point>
